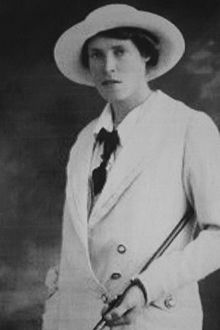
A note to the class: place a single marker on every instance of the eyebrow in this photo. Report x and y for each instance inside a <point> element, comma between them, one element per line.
<point>112,47</point>
<point>96,49</point>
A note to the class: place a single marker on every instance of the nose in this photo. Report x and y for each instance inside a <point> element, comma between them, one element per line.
<point>110,63</point>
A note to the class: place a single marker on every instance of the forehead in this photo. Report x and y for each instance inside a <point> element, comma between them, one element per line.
<point>104,43</point>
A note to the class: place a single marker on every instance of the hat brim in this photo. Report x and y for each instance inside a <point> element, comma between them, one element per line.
<point>68,48</point>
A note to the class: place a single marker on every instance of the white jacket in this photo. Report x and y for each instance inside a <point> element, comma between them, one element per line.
<point>172,160</point>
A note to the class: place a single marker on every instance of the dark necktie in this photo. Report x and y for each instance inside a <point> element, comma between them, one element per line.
<point>110,141</point>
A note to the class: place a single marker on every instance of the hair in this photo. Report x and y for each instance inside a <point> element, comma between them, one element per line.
<point>146,43</point>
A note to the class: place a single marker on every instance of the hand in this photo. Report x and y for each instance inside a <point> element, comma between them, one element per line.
<point>128,309</point>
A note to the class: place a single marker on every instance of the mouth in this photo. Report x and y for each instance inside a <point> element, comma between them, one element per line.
<point>110,82</point>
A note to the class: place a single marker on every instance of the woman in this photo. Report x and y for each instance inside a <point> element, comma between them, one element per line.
<point>132,175</point>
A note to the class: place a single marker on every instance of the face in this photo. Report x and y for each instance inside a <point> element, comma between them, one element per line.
<point>117,68</point>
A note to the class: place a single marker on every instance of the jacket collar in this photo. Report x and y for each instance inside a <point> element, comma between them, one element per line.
<point>125,128</point>
<point>124,172</point>
<point>126,168</point>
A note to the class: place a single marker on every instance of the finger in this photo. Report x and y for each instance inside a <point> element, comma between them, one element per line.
<point>120,310</point>
<point>130,301</point>
<point>114,321</point>
<point>119,314</point>
<point>104,309</point>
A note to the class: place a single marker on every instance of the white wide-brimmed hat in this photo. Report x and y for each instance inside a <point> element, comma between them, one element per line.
<point>69,46</point>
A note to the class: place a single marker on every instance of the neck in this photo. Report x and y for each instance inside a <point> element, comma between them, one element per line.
<point>122,108</point>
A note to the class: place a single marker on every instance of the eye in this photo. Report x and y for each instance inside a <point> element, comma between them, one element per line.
<point>95,55</point>
<point>119,51</point>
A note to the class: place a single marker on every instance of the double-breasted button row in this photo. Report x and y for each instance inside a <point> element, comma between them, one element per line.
<point>121,248</point>
<point>115,276</point>
<point>170,301</point>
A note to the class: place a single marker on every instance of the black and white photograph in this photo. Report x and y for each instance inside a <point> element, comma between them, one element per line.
<point>110,165</point>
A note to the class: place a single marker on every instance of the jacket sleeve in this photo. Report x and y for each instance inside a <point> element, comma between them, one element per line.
<point>201,180</point>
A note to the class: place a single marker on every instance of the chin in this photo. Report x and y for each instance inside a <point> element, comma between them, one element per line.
<point>113,97</point>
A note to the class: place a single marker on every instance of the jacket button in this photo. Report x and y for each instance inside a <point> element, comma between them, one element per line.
<point>170,302</point>
<point>104,298</point>
<point>121,248</point>
<point>115,276</point>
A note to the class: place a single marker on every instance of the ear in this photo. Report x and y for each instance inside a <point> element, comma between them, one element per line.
<point>147,67</point>
<point>146,59</point>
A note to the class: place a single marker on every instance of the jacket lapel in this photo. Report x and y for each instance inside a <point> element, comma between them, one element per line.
<point>132,159</point>
<point>77,184</point>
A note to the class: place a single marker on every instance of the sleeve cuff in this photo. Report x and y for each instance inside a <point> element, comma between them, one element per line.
<point>137,282</point>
